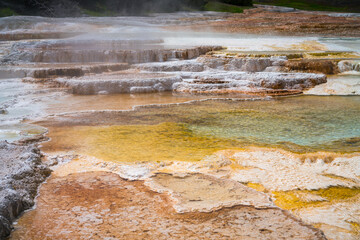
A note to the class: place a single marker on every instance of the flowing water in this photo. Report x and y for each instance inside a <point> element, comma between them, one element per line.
<point>19,102</point>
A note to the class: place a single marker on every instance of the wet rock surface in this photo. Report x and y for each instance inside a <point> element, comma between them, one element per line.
<point>96,205</point>
<point>21,173</point>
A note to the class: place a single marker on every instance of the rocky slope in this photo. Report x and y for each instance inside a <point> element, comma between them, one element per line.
<point>21,173</point>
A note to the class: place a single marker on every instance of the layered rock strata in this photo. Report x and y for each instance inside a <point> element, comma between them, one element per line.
<point>48,71</point>
<point>17,35</point>
<point>120,82</point>
<point>254,83</point>
<point>113,56</point>
<point>204,75</point>
<point>21,174</point>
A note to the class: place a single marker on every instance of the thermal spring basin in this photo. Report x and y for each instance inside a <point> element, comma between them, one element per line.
<point>189,132</point>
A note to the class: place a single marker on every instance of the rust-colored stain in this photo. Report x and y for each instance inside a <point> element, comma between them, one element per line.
<point>259,21</point>
<point>100,205</point>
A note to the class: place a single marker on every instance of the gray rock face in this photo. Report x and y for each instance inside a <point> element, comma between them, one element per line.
<point>173,66</point>
<point>108,56</point>
<point>241,64</point>
<point>120,83</point>
<point>46,71</point>
<point>21,173</point>
<point>243,82</point>
<point>348,65</point>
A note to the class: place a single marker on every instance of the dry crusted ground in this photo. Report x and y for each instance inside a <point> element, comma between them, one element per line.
<point>100,205</point>
<point>298,23</point>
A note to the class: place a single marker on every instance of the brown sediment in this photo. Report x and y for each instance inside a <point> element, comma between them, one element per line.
<point>289,53</point>
<point>309,65</point>
<point>260,21</point>
<point>98,205</point>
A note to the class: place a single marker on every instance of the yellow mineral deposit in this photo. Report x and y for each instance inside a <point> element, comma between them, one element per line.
<point>292,200</point>
<point>136,143</point>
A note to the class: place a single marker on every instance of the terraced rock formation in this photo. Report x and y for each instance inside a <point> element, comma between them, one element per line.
<point>135,65</point>
<point>170,169</point>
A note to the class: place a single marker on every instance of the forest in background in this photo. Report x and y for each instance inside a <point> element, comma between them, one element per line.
<point>316,5</point>
<point>77,8</point>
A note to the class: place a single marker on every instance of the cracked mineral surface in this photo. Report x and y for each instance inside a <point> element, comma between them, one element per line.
<point>98,205</point>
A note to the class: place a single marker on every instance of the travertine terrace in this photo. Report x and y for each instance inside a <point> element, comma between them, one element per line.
<point>181,126</point>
